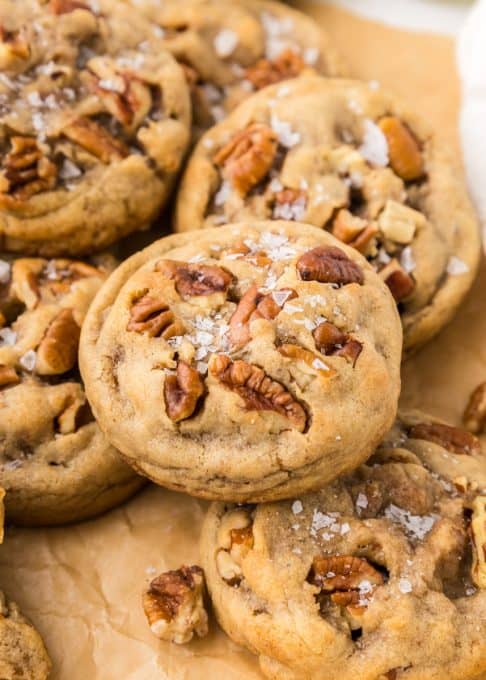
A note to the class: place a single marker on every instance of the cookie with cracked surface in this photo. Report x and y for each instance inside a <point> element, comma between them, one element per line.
<point>375,576</point>
<point>349,158</point>
<point>94,124</point>
<point>55,463</point>
<point>246,362</point>
<point>231,49</point>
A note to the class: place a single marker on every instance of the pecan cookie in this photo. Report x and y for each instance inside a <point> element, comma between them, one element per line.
<point>22,652</point>
<point>346,157</point>
<point>55,463</point>
<point>246,362</point>
<point>230,49</point>
<point>94,123</point>
<point>378,576</point>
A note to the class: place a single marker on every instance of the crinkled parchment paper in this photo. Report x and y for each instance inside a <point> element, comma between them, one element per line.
<point>81,585</point>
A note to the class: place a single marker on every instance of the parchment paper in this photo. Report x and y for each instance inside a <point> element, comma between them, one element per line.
<point>81,585</point>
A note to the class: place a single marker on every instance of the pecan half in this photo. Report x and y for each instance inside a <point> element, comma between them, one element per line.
<point>123,94</point>
<point>400,283</point>
<point>354,231</point>
<point>154,317</point>
<point>333,342</point>
<point>58,350</point>
<point>452,439</point>
<point>194,279</point>
<point>25,171</point>
<point>265,72</point>
<point>95,139</point>
<point>258,391</point>
<point>341,577</point>
<point>59,7</point>
<point>182,392</point>
<point>256,305</point>
<point>8,376</point>
<point>248,156</point>
<point>174,605</point>
<point>328,264</point>
<point>478,530</point>
<point>403,148</point>
<point>474,417</point>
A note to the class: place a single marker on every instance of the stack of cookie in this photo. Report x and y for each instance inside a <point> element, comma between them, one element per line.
<point>253,358</point>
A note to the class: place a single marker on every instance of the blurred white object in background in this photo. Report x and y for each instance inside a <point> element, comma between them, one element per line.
<point>471,55</point>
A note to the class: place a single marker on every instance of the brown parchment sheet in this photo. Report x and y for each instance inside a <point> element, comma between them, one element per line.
<point>81,585</point>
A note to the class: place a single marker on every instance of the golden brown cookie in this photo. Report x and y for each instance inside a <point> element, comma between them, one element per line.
<point>94,124</point>
<point>377,576</point>
<point>349,158</point>
<point>55,463</point>
<point>246,362</point>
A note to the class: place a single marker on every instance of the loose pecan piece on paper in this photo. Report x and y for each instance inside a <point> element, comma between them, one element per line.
<point>341,577</point>
<point>265,72</point>
<point>58,350</point>
<point>403,148</point>
<point>25,171</point>
<point>154,317</point>
<point>256,305</point>
<point>258,391</point>
<point>328,264</point>
<point>474,417</point>
<point>453,439</point>
<point>194,279</point>
<point>95,139</point>
<point>333,342</point>
<point>248,157</point>
<point>174,605</point>
<point>182,392</point>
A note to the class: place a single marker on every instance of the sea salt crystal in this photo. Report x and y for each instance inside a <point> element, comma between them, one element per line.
<point>69,170</point>
<point>321,520</point>
<point>28,360</point>
<point>211,93</point>
<point>275,185</point>
<point>112,84</point>
<point>225,43</point>
<point>202,367</point>
<point>283,91</point>
<point>150,571</point>
<point>283,130</point>
<point>407,260</point>
<point>418,526</point>
<point>218,113</point>
<point>222,194</point>
<point>320,365</point>
<point>374,148</point>
<point>310,55</point>
<point>197,258</point>
<point>345,528</point>
<point>297,551</point>
<point>281,296</point>
<point>4,271</point>
<point>8,337</point>
<point>34,99</point>
<point>383,256</point>
<point>291,211</point>
<point>404,586</point>
<point>456,266</point>
<point>297,507</point>
<point>361,501</point>
<point>290,308</point>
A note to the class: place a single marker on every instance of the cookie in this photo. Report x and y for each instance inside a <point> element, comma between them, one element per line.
<point>94,123</point>
<point>246,362</point>
<point>373,577</point>
<point>230,49</point>
<point>55,463</point>
<point>346,157</point>
<point>22,652</point>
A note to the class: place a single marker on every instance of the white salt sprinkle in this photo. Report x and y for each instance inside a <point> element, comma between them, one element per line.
<point>4,271</point>
<point>361,501</point>
<point>311,55</point>
<point>225,43</point>
<point>223,193</point>
<point>28,360</point>
<point>417,526</point>
<point>407,259</point>
<point>456,266</point>
<point>283,130</point>
<point>374,148</point>
<point>404,586</point>
<point>69,170</point>
<point>297,507</point>
<point>8,337</point>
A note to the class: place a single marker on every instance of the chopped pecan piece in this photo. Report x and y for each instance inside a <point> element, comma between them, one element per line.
<point>258,391</point>
<point>452,439</point>
<point>475,414</point>
<point>400,283</point>
<point>77,413</point>
<point>354,231</point>
<point>58,350</point>
<point>332,341</point>
<point>403,148</point>
<point>260,258</point>
<point>182,392</point>
<point>248,156</point>
<point>25,172</point>
<point>95,139</point>
<point>13,45</point>
<point>154,317</point>
<point>256,305</point>
<point>478,529</point>
<point>265,72</point>
<point>8,376</point>
<point>298,353</point>
<point>342,577</point>
<point>66,6</point>
<point>124,95</point>
<point>174,605</point>
<point>235,538</point>
<point>194,279</point>
<point>328,264</point>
